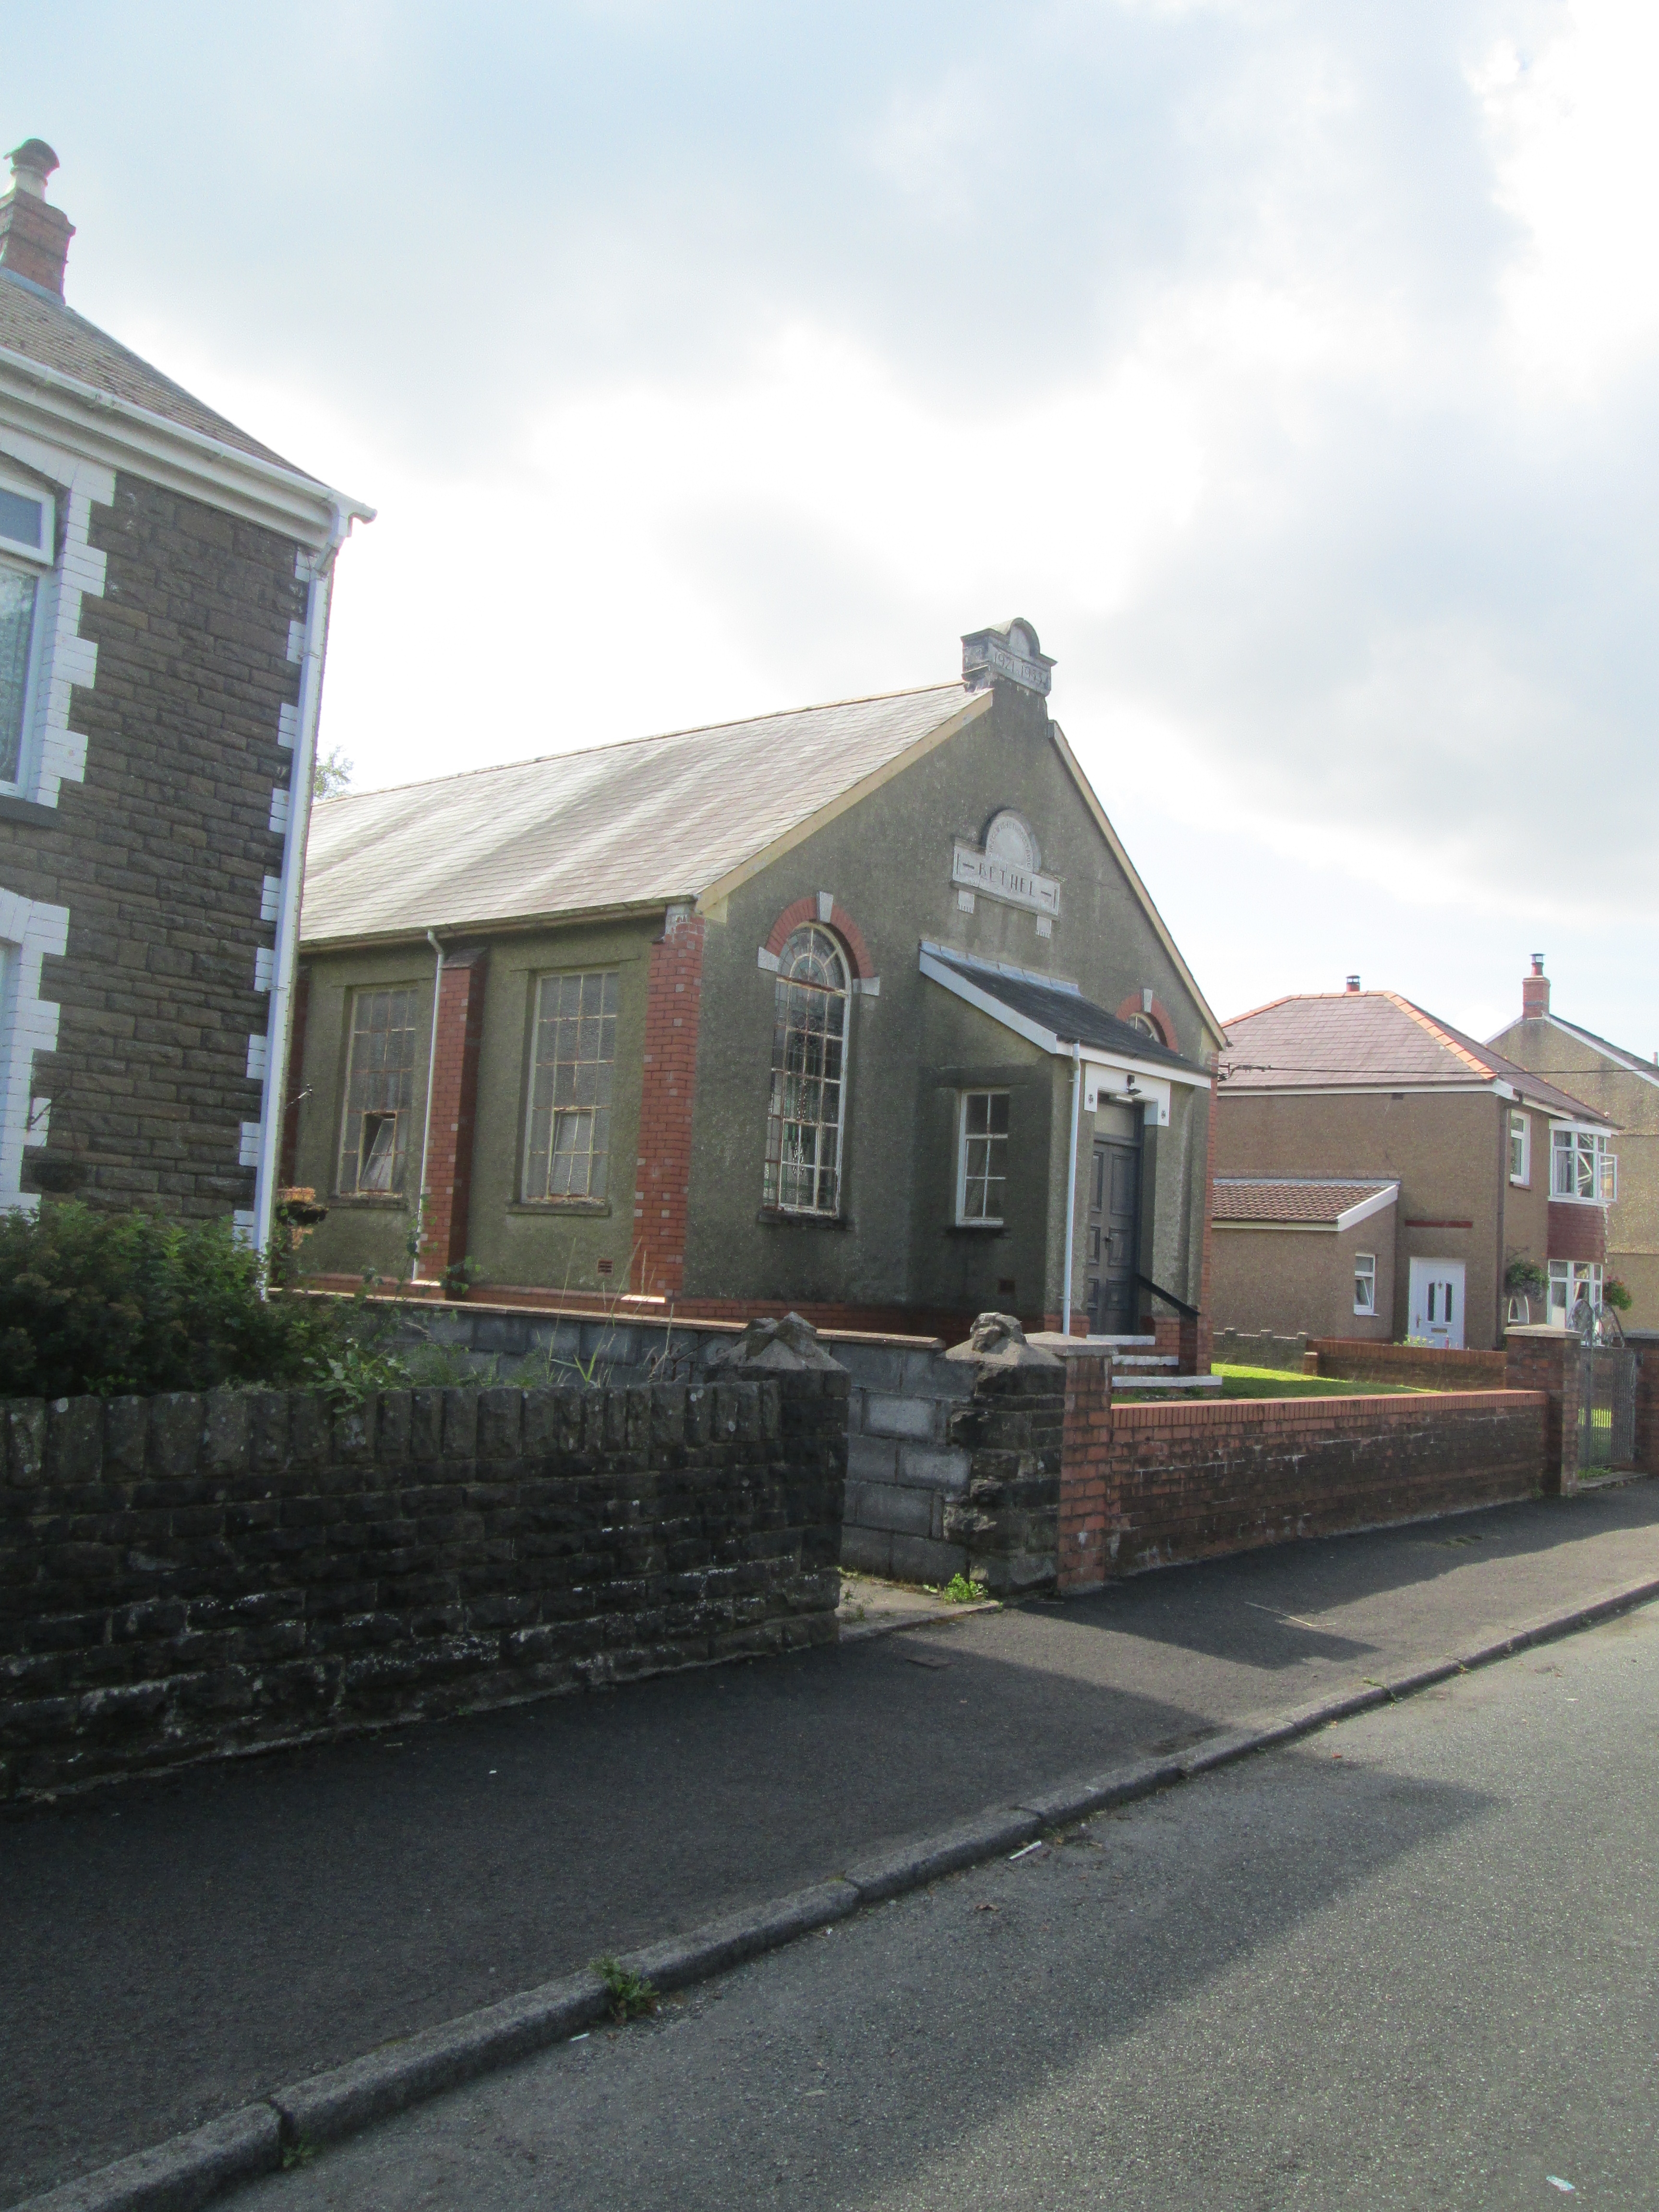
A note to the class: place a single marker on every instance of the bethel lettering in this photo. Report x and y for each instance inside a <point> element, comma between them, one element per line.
<point>999,880</point>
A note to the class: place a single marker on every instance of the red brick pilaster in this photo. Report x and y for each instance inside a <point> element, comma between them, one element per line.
<point>1203,1347</point>
<point>1085,1547</point>
<point>1647,1409</point>
<point>1550,1363</point>
<point>673,1007</point>
<point>454,1108</point>
<point>294,1076</point>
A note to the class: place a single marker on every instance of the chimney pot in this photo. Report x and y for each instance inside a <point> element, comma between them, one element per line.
<point>1536,990</point>
<point>32,163</point>
<point>33,236</point>
<point>1353,982</point>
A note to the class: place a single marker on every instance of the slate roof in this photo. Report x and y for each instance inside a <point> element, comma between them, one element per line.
<point>1295,1199</point>
<point>39,327</point>
<point>1368,1040</point>
<point>619,826</point>
<point>1067,1013</point>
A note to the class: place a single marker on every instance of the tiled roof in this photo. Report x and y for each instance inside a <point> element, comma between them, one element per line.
<point>1294,1198</point>
<point>1067,1014</point>
<point>615,827</point>
<point>43,330</point>
<point>1370,1039</point>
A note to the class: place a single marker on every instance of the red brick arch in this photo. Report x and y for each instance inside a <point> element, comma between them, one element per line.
<point>802,910</point>
<point>1157,1013</point>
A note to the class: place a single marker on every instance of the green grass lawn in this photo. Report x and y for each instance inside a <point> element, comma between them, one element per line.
<point>1270,1382</point>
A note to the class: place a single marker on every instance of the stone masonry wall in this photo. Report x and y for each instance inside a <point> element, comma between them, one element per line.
<point>160,856</point>
<point>1145,1485</point>
<point>186,1577</point>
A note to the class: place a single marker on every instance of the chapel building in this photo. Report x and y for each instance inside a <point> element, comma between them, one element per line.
<point>860,1010</point>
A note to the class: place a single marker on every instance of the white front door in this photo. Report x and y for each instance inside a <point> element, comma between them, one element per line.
<point>1437,1303</point>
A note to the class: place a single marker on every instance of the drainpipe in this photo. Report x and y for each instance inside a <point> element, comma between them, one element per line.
<point>274,1110</point>
<point>1071,1188</point>
<point>431,1072</point>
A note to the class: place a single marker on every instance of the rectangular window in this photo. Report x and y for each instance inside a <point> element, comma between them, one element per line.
<point>1571,1280</point>
<point>567,1148</point>
<point>380,1095</point>
<point>1365,1282</point>
<point>17,597</point>
<point>1581,1166</point>
<point>983,1156</point>
<point>1520,1148</point>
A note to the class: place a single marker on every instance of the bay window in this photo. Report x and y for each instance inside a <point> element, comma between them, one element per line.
<point>1581,1166</point>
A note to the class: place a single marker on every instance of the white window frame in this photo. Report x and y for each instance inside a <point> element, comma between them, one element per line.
<point>1578,1156</point>
<point>1521,1142</point>
<point>965,1219</point>
<point>1568,1279</point>
<point>1364,1272</point>
<point>39,562</point>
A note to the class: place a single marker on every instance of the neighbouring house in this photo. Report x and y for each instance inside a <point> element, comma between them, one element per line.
<point>1623,1086</point>
<point>861,1009</point>
<point>1452,1168</point>
<point>164,590</point>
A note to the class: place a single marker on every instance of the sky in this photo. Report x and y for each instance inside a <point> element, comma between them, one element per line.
<point>1289,366</point>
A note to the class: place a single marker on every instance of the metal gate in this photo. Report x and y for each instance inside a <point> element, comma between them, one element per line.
<point>1607,1407</point>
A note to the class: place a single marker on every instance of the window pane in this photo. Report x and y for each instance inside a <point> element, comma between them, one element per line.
<point>16,628</point>
<point>807,1097</point>
<point>379,1092</point>
<point>567,1153</point>
<point>22,520</point>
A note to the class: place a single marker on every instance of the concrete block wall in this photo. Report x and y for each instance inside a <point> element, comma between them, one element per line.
<point>904,1475</point>
<point>1258,1347</point>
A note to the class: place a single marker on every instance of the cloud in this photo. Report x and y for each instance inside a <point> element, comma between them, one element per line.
<point>1291,367</point>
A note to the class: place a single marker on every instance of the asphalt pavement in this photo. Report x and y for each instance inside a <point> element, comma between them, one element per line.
<point>176,1948</point>
<point>1408,1962</point>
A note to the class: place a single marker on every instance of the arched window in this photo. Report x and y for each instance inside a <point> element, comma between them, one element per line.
<point>1146,1025</point>
<point>808,1105</point>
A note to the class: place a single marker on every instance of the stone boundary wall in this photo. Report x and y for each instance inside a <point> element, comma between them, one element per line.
<point>1147,1486</point>
<point>1361,1360</point>
<point>905,1475</point>
<point>184,1576</point>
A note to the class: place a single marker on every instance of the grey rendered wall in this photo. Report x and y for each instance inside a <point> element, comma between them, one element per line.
<point>888,862</point>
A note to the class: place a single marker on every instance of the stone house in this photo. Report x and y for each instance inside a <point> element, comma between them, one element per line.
<point>861,1009</point>
<point>1625,1087</point>
<point>1377,1172</point>
<point>164,593</point>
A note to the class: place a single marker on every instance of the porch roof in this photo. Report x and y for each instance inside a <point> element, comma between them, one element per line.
<point>1055,1016</point>
<point>1301,1201</point>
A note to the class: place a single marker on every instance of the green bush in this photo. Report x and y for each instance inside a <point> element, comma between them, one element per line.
<point>108,1305</point>
<point>1614,1294</point>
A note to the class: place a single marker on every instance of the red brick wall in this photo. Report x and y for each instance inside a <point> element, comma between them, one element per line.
<point>1361,1360</point>
<point>454,1108</point>
<point>1550,1364</point>
<point>1145,1485</point>
<point>1647,1410</point>
<point>673,1010</point>
<point>292,1084</point>
<point>1577,1232</point>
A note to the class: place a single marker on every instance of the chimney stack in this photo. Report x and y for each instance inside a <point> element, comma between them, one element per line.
<point>1536,990</point>
<point>1353,982</point>
<point>34,237</point>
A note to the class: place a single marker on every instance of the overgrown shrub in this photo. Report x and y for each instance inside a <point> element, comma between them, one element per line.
<point>106,1305</point>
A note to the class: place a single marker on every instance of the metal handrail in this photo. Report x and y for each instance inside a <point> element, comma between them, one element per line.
<point>1189,1313</point>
